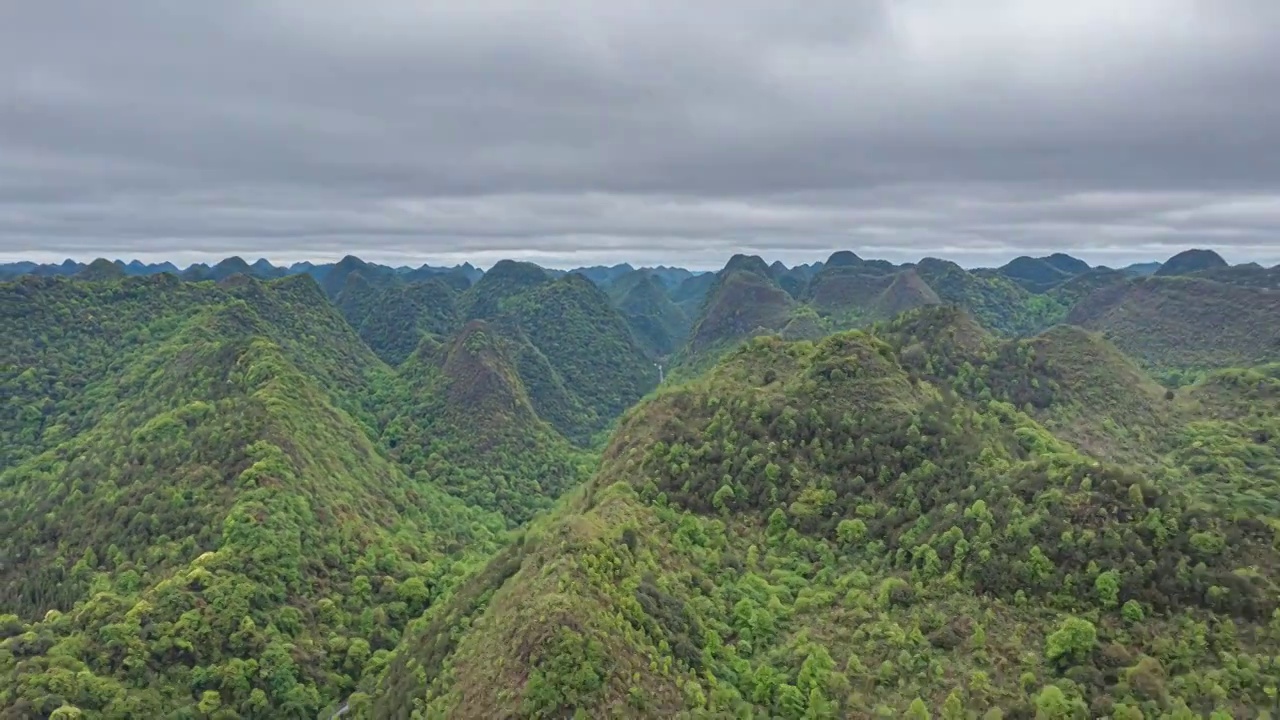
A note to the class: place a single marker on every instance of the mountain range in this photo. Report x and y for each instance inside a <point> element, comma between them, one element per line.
<point>849,488</point>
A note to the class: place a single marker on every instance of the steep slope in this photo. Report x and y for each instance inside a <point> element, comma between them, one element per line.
<point>659,326</point>
<point>1081,286</point>
<point>814,531</point>
<point>997,303</point>
<point>1066,263</point>
<point>471,427</point>
<point>1035,274</point>
<point>394,317</point>
<point>564,317</point>
<point>1072,381</point>
<point>63,336</point>
<point>603,276</point>
<point>333,278</point>
<point>219,534</point>
<point>692,292</point>
<point>1248,275</point>
<point>1171,323</point>
<point>504,280</point>
<point>741,303</point>
<point>846,288</point>
<point>1190,261</point>
<point>842,258</point>
<point>402,315</point>
<point>670,277</point>
<point>908,291</point>
<point>101,269</point>
<point>748,263</point>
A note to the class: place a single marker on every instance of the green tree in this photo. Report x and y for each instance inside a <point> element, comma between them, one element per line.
<point>1132,611</point>
<point>851,532</point>
<point>777,523</point>
<point>1072,642</point>
<point>953,707</point>
<point>722,498</point>
<point>1108,588</point>
<point>918,710</point>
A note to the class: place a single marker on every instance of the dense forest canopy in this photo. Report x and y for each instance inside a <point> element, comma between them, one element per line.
<point>847,488</point>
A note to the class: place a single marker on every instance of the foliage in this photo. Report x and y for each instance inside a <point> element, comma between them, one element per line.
<point>469,424</point>
<point>201,529</point>
<point>1183,323</point>
<point>859,531</point>
<point>216,501</point>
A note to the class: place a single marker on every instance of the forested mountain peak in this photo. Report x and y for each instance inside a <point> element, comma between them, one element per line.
<point>846,286</point>
<point>1190,261</point>
<point>504,280</point>
<point>480,376</point>
<point>204,503</point>
<point>100,269</point>
<point>1066,263</point>
<point>1034,274</point>
<point>743,300</point>
<point>1169,323</point>
<point>391,491</point>
<point>842,258</point>
<point>747,263</point>
<point>657,323</point>
<point>232,265</point>
<point>906,292</point>
<point>766,528</point>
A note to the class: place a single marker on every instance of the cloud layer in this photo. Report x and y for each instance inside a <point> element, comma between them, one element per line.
<point>574,132</point>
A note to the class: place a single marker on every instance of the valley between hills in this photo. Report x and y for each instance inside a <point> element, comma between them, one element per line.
<point>849,488</point>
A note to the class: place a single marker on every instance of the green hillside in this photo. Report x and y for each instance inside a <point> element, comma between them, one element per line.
<point>588,345</point>
<point>742,303</point>
<point>658,325</point>
<point>1190,261</point>
<point>392,318</point>
<point>818,530</point>
<point>503,281</point>
<point>201,530</point>
<point>1249,275</point>
<point>1035,274</point>
<point>472,428</point>
<point>1180,323</point>
<point>1044,491</point>
<point>846,288</point>
<point>996,302</point>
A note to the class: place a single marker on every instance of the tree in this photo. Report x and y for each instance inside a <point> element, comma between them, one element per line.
<point>851,532</point>
<point>1108,588</point>
<point>210,701</point>
<point>722,498</point>
<point>1052,704</point>
<point>1073,642</point>
<point>917,710</point>
<point>1132,611</point>
<point>777,522</point>
<point>792,702</point>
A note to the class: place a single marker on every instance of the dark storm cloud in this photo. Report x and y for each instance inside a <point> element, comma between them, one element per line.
<point>578,132</point>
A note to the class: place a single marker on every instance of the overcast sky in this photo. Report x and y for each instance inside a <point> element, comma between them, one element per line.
<point>572,132</point>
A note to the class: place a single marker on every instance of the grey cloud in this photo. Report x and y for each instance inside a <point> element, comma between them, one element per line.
<point>578,132</point>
